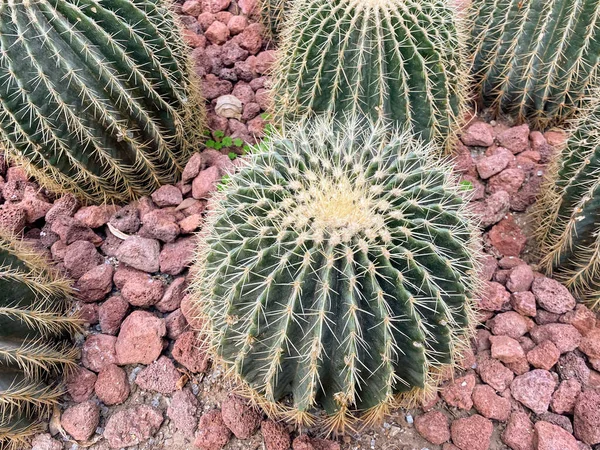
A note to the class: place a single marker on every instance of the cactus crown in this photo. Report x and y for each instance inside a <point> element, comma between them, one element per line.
<point>337,267</point>
<point>401,60</point>
<point>92,99</point>
<point>568,212</point>
<point>535,60</point>
<point>34,340</point>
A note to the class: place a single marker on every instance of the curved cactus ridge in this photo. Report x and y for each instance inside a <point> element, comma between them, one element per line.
<point>273,14</point>
<point>535,60</point>
<point>96,97</point>
<point>35,348</point>
<point>568,212</point>
<point>402,60</point>
<point>337,267</point>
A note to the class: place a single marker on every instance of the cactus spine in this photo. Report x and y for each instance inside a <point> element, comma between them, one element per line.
<point>535,60</point>
<point>397,59</point>
<point>96,97</point>
<point>34,340</point>
<point>569,212</point>
<point>273,14</point>
<point>337,267</point>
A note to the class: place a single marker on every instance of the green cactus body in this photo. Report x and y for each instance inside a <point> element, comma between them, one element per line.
<point>337,267</point>
<point>35,347</point>
<point>96,96</point>
<point>535,60</point>
<point>569,210</point>
<point>273,14</point>
<point>401,60</point>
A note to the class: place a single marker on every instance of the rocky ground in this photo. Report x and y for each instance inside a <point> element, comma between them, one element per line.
<point>532,380</point>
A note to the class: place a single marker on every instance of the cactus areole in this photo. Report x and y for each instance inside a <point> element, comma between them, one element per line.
<point>401,60</point>
<point>96,96</point>
<point>336,270</point>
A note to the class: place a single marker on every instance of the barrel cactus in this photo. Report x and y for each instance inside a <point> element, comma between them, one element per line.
<point>336,269</point>
<point>535,60</point>
<point>96,98</point>
<point>35,332</point>
<point>568,212</point>
<point>273,14</point>
<point>401,60</point>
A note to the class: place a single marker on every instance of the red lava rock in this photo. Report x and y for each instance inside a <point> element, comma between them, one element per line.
<point>491,165</point>
<point>87,313</point>
<point>519,367</point>
<point>524,303</point>
<point>140,253</point>
<point>478,134</point>
<point>509,180</point>
<point>112,387</point>
<point>516,139</point>
<point>175,257</point>
<point>581,318</point>
<point>45,442</point>
<point>264,61</point>
<point>217,33</point>
<point>489,266</point>
<point>507,237</point>
<point>552,296</point>
<point>304,442</point>
<point>482,340</point>
<point>144,293</point>
<point>81,420</point>
<point>80,384</point>
<point>190,313</point>
<point>551,437</point>
<point>190,224</point>
<point>34,204</point>
<point>124,273</point>
<point>243,92</point>
<point>520,279</point>
<point>564,336</point>
<point>247,6</point>
<point>167,195</point>
<point>95,216</point>
<point>191,7</point>
<point>182,411</point>
<point>494,373</point>
<point>213,87</point>
<point>472,433</point>
<point>275,435</point>
<point>240,417</point>
<point>506,349</point>
<point>586,419</point>
<point>127,219</point>
<point>590,344</point>
<point>205,183</point>
<point>112,312</point>
<point>71,230</point>
<point>64,206</point>
<point>457,393</point>
<point>187,351</point>
<point>251,38</point>
<point>489,404</point>
<point>433,426</point>
<point>237,24</point>
<point>544,356</point>
<point>95,284</point>
<point>98,351</point>
<point>510,324</point>
<point>544,317</point>
<point>192,168</point>
<point>518,434</point>
<point>427,404</point>
<point>564,398</point>
<point>171,300</point>
<point>573,366</point>
<point>176,324</point>
<point>534,390</point>
<point>132,426</point>
<point>492,209</point>
<point>140,339</point>
<point>161,225</point>
<point>81,257</point>
<point>160,376</point>
<point>494,297</point>
<point>212,432</point>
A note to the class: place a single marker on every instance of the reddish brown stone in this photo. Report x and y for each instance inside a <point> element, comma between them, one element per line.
<point>472,433</point>
<point>112,387</point>
<point>433,426</point>
<point>212,432</point>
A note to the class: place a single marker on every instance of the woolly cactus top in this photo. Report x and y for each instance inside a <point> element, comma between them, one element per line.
<point>337,266</point>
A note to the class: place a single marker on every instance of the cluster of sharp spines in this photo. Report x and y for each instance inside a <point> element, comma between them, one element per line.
<point>35,332</point>
<point>344,360</point>
<point>273,14</point>
<point>92,99</point>
<point>568,211</point>
<point>400,60</point>
<point>535,60</point>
